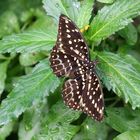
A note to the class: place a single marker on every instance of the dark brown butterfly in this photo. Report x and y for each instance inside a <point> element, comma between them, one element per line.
<point>70,58</point>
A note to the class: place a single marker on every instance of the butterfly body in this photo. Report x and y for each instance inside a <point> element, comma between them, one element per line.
<point>70,58</point>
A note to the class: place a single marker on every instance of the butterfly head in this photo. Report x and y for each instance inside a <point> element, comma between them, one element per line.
<point>94,63</point>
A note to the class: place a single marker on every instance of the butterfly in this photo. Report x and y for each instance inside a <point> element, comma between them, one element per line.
<point>70,58</point>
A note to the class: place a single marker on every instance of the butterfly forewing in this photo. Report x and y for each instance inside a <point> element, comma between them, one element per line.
<point>70,39</point>
<point>93,103</point>
<point>69,50</point>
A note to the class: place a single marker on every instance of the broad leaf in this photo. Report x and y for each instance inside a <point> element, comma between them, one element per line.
<point>85,12</point>
<point>78,12</point>
<point>112,18</point>
<point>123,119</point>
<point>28,91</point>
<point>56,7</point>
<point>56,125</point>
<point>30,41</point>
<point>121,76</point>
<point>129,135</point>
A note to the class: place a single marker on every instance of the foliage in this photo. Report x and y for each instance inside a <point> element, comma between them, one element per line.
<point>31,106</point>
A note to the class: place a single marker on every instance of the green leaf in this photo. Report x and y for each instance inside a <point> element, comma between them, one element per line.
<point>56,125</point>
<point>129,135</point>
<point>6,130</point>
<point>9,23</point>
<point>56,7</point>
<point>30,125</point>
<point>129,33</point>
<point>78,12</point>
<point>28,59</point>
<point>106,1</point>
<point>3,70</point>
<point>112,18</point>
<point>28,91</point>
<point>44,23</point>
<point>39,123</point>
<point>123,119</point>
<point>30,41</point>
<point>20,7</point>
<point>91,129</point>
<point>136,64</point>
<point>85,13</point>
<point>120,76</point>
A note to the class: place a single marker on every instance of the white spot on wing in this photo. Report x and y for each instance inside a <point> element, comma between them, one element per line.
<point>90,97</point>
<point>70,42</point>
<point>68,36</point>
<point>95,105</point>
<point>89,85</point>
<point>66,21</point>
<point>76,51</point>
<point>68,31</point>
<point>100,111</point>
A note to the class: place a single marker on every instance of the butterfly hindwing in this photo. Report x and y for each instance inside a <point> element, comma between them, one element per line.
<point>72,93</point>
<point>93,103</point>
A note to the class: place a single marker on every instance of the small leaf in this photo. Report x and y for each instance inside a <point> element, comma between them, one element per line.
<point>129,135</point>
<point>9,23</point>
<point>112,18</point>
<point>121,76</point>
<point>28,59</point>
<point>129,33</point>
<point>3,70</point>
<point>106,1</point>
<point>56,125</point>
<point>30,41</point>
<point>56,7</point>
<point>123,119</point>
<point>85,13</point>
<point>28,91</point>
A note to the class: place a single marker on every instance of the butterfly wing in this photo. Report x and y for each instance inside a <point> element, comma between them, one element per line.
<point>72,93</point>
<point>70,39</point>
<point>65,64</point>
<point>61,63</point>
<point>92,97</point>
<point>70,49</point>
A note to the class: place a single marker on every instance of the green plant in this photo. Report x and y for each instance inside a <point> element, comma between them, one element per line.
<point>31,105</point>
